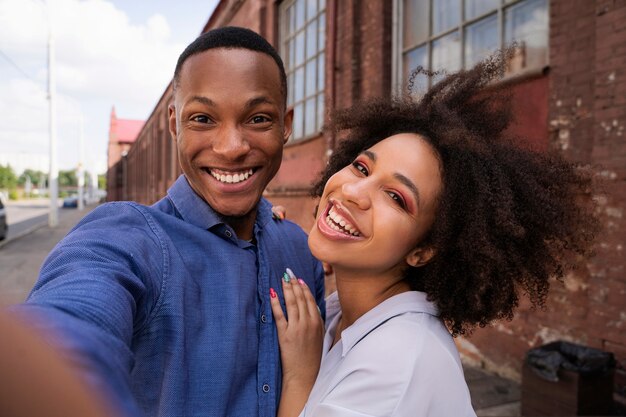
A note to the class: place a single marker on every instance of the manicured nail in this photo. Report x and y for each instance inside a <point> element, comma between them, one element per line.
<point>301,281</point>
<point>286,278</point>
<point>272,293</point>
<point>291,274</point>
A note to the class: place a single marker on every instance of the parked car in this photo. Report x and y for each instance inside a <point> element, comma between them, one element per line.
<point>3,219</point>
<point>70,202</point>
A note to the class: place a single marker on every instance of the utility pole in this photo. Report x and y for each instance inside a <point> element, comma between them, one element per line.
<point>81,164</point>
<point>53,175</point>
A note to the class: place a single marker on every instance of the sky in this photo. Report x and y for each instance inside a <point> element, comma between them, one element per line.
<point>109,53</point>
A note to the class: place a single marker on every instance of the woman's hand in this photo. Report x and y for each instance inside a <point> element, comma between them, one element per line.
<point>300,337</point>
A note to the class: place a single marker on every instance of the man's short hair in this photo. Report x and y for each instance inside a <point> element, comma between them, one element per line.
<point>231,37</point>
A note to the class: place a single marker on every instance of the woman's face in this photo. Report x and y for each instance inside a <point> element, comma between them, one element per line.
<point>374,212</point>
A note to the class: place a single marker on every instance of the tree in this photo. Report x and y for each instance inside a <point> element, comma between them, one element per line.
<point>8,179</point>
<point>68,178</point>
<point>102,181</point>
<point>35,177</point>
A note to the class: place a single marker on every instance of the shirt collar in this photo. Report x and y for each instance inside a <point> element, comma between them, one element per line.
<point>193,209</point>
<point>406,302</point>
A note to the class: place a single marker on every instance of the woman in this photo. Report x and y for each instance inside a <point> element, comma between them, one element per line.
<point>434,222</point>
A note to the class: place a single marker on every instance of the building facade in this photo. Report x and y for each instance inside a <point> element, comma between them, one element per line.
<point>568,84</point>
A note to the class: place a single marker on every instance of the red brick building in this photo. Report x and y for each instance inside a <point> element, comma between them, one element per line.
<point>569,88</point>
<point>122,135</point>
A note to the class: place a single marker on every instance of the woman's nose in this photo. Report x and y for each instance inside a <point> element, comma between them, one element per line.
<point>357,193</point>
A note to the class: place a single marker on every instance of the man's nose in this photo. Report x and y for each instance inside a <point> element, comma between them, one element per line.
<point>230,143</point>
<point>357,192</point>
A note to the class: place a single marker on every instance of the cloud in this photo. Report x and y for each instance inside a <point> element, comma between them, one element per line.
<point>102,59</point>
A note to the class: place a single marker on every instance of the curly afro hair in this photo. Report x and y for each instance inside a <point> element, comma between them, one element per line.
<point>508,218</point>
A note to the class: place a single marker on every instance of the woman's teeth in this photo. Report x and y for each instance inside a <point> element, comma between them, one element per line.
<point>231,178</point>
<point>338,223</point>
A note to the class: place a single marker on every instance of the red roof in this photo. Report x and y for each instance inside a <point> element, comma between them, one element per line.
<point>127,130</point>
<point>124,130</point>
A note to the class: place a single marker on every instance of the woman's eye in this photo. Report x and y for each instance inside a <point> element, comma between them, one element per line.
<point>201,119</point>
<point>397,198</point>
<point>360,167</point>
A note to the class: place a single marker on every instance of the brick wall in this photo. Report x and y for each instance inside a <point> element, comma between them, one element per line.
<point>586,120</point>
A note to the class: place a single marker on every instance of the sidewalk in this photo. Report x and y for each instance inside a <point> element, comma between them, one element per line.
<point>20,260</point>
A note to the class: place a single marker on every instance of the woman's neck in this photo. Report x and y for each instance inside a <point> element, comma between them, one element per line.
<point>360,293</point>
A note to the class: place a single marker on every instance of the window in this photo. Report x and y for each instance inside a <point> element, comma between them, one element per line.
<point>453,34</point>
<point>303,36</point>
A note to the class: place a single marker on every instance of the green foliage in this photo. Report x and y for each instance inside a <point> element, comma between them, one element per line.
<point>35,177</point>
<point>68,178</point>
<point>13,195</point>
<point>102,182</point>
<point>7,177</point>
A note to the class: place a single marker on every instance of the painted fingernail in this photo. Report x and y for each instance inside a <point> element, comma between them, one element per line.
<point>272,293</point>
<point>301,281</point>
<point>291,274</point>
<point>286,278</point>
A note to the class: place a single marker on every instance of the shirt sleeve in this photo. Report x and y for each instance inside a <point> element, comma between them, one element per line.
<point>95,289</point>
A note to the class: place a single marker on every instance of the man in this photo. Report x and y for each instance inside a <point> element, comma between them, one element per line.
<point>167,307</point>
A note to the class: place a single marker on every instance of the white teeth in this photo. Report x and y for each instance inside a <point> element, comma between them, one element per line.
<point>338,223</point>
<point>232,178</point>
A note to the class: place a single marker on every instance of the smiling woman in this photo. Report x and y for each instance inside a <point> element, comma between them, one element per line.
<point>434,222</point>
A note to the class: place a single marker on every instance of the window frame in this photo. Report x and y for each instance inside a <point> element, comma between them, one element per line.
<point>399,50</point>
<point>319,58</point>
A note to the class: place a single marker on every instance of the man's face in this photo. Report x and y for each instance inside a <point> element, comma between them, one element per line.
<point>230,125</point>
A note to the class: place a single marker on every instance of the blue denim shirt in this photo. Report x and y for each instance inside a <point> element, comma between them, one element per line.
<point>168,311</point>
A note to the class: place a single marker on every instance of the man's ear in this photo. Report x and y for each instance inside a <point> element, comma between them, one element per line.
<point>288,123</point>
<point>420,256</point>
<point>172,121</point>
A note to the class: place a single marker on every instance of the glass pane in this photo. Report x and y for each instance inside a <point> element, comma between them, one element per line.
<point>321,72</point>
<point>415,23</point>
<point>527,23</point>
<point>322,4</point>
<point>311,39</point>
<point>475,8</point>
<point>446,15</point>
<point>446,55</point>
<point>299,14</point>
<point>290,88</point>
<point>311,9</point>
<point>311,77</point>
<point>481,39</point>
<point>310,126</point>
<point>413,59</point>
<point>297,121</point>
<point>291,19</point>
<point>299,49</point>
<point>321,32</point>
<point>299,87</point>
<point>320,112</point>
<point>292,54</point>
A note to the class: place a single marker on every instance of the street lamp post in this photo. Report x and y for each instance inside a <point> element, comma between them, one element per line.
<point>53,175</point>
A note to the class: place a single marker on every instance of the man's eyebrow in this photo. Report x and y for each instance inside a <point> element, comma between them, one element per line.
<point>201,99</point>
<point>403,179</point>
<point>258,100</point>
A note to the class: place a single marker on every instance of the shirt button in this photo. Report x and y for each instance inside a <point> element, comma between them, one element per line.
<point>263,318</point>
<point>228,233</point>
<point>266,388</point>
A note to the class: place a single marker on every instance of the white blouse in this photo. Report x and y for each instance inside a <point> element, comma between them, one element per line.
<point>396,360</point>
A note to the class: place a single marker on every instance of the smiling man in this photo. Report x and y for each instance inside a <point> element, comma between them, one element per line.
<point>166,308</point>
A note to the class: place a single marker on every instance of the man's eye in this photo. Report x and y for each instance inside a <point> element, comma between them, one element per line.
<point>201,119</point>
<point>360,167</point>
<point>260,119</point>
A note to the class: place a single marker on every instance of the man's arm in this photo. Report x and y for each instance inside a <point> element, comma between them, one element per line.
<point>95,289</point>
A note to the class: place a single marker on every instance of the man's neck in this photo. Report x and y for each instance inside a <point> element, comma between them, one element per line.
<point>243,226</point>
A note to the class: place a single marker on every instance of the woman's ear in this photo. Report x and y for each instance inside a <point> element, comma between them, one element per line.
<point>420,256</point>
